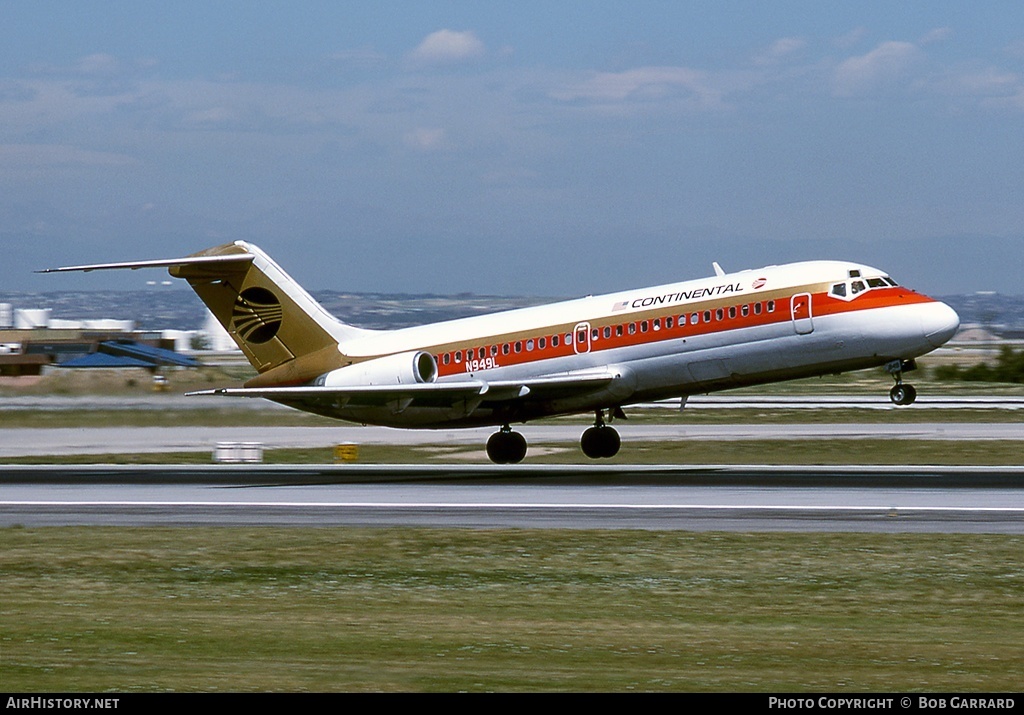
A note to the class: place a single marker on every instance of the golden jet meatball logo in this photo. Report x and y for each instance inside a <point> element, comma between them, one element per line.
<point>257,315</point>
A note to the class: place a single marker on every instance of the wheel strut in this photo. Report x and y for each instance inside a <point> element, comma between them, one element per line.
<point>901,393</point>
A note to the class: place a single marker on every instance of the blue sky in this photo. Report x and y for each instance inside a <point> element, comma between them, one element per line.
<point>531,147</point>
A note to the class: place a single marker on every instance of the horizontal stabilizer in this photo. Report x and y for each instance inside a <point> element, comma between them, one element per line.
<point>236,258</point>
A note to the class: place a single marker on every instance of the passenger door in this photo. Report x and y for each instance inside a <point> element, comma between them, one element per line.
<point>803,320</point>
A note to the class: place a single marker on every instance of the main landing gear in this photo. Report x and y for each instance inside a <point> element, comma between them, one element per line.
<point>600,441</point>
<point>506,446</point>
<point>901,393</point>
<point>597,442</point>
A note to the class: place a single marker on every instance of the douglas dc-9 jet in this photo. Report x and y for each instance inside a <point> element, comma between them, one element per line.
<point>597,354</point>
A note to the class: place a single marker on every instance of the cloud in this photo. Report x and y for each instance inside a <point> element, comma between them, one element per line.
<point>45,156</point>
<point>880,67</point>
<point>644,83</point>
<point>939,34</point>
<point>425,138</point>
<point>98,64</point>
<point>780,50</point>
<point>211,115</point>
<point>446,46</point>
<point>363,58</point>
<point>851,38</point>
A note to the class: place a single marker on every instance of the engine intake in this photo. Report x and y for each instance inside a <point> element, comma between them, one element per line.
<point>407,368</point>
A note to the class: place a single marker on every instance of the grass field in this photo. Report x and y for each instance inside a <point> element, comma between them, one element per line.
<point>240,609</point>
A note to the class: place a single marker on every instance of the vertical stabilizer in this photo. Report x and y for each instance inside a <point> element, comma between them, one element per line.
<point>269,316</point>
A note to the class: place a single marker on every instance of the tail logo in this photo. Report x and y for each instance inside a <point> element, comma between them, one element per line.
<point>257,315</point>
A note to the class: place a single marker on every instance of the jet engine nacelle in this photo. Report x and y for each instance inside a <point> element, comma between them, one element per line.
<point>401,369</point>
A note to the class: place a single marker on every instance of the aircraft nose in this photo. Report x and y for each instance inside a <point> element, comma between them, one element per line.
<point>939,323</point>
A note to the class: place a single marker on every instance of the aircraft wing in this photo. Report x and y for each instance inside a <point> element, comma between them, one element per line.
<point>464,396</point>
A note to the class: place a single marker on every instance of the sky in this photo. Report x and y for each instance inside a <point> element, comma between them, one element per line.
<point>516,148</point>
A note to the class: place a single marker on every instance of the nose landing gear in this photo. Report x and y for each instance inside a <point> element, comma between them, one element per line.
<point>902,393</point>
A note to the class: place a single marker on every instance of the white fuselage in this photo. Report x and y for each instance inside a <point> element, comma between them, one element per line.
<point>757,326</point>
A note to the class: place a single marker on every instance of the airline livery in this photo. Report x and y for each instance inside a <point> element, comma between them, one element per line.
<point>595,354</point>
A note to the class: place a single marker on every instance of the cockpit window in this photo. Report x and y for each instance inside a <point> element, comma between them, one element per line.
<point>856,284</point>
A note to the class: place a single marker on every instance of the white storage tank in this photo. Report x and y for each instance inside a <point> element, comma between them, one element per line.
<point>31,318</point>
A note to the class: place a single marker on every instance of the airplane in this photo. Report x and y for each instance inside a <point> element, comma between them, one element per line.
<point>596,354</point>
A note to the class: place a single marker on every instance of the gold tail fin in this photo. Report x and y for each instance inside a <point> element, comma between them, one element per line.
<point>272,319</point>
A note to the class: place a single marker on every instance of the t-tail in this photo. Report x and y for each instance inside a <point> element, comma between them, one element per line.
<point>285,334</point>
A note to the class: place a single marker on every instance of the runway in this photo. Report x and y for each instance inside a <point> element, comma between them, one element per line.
<point>940,500</point>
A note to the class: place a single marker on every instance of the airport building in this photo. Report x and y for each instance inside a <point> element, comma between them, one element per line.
<point>31,340</point>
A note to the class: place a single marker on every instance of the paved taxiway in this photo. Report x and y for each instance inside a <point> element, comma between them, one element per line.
<point>18,442</point>
<point>932,499</point>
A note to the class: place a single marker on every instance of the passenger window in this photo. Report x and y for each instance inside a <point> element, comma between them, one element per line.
<point>529,345</point>
<point>505,349</point>
<point>518,347</point>
<point>695,318</point>
<point>607,332</point>
<point>745,311</point>
<point>458,357</point>
<point>771,306</point>
<point>618,331</point>
<point>757,308</point>
<point>707,316</point>
<point>542,343</point>
<point>668,322</point>
<point>657,323</point>
<point>732,311</point>
<point>446,358</point>
<point>719,314</point>
<point>632,328</point>
<point>554,341</point>
<point>643,326</point>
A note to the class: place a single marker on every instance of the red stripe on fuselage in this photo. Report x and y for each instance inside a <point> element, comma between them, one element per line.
<point>822,304</point>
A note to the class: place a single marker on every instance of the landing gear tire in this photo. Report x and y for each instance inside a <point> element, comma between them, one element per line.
<point>506,447</point>
<point>600,441</point>
<point>903,394</point>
